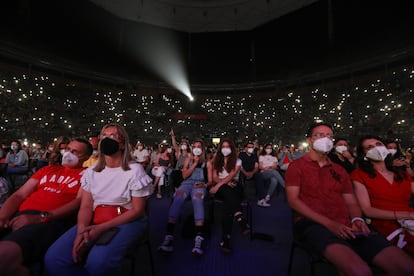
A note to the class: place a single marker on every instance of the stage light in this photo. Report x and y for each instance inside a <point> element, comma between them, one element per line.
<point>160,52</point>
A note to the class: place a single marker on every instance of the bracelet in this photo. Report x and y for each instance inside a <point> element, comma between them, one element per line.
<point>357,219</point>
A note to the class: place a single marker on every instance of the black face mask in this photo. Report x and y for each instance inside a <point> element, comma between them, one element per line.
<point>109,146</point>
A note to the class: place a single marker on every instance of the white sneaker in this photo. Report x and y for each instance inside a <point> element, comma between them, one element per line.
<point>167,245</point>
<point>263,203</point>
<point>267,198</point>
<point>159,196</point>
<point>198,246</point>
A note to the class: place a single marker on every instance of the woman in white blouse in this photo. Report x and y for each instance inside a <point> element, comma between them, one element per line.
<point>113,199</point>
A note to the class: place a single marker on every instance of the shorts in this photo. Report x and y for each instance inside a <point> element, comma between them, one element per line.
<point>35,239</point>
<point>316,238</point>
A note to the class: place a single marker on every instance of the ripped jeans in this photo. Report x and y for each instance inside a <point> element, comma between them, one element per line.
<point>185,190</point>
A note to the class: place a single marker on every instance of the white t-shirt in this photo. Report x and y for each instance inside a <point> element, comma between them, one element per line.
<point>224,173</point>
<point>267,160</point>
<point>140,155</point>
<point>114,186</point>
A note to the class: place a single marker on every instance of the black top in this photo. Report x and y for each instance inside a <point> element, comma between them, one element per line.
<point>348,166</point>
<point>248,161</point>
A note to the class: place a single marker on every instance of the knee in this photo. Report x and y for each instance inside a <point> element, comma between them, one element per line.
<point>50,258</point>
<point>101,265</point>
<point>361,269</point>
<point>404,268</point>
<point>180,195</point>
<point>9,253</point>
<point>408,268</point>
<point>273,181</point>
<point>198,196</point>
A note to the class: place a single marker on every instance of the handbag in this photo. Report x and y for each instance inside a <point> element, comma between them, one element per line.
<point>104,213</point>
<point>407,225</point>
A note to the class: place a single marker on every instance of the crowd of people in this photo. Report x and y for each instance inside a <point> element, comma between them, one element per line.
<point>37,106</point>
<point>350,198</point>
<point>98,187</point>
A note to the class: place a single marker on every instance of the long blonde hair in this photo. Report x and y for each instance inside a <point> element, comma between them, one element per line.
<point>126,156</point>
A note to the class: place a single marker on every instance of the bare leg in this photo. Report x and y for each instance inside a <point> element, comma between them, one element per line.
<point>11,261</point>
<point>393,261</point>
<point>346,261</point>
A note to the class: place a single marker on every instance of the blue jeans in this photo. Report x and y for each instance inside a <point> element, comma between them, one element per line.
<point>275,178</point>
<point>258,183</point>
<point>102,259</point>
<point>17,169</point>
<point>187,188</point>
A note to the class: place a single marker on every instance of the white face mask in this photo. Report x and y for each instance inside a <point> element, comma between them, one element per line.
<point>14,147</point>
<point>323,145</point>
<point>69,159</point>
<point>250,150</point>
<point>169,150</point>
<point>197,151</point>
<point>392,151</point>
<point>341,149</point>
<point>378,153</point>
<point>62,151</point>
<point>139,147</point>
<point>268,151</point>
<point>226,151</point>
<point>183,147</point>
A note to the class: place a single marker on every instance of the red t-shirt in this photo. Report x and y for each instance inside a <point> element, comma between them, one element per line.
<point>321,188</point>
<point>57,186</point>
<point>386,196</point>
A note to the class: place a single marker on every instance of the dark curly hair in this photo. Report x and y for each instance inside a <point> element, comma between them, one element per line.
<point>367,166</point>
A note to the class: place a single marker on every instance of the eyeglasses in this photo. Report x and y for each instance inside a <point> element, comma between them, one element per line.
<point>321,135</point>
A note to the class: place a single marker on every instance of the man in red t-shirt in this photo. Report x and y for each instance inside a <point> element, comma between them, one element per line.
<point>35,215</point>
<point>328,218</point>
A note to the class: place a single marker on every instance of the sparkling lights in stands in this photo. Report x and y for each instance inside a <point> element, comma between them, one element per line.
<point>42,107</point>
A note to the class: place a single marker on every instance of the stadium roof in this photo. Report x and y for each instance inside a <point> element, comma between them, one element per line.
<point>194,16</point>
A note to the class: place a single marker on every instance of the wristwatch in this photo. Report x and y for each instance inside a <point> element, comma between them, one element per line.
<point>44,217</point>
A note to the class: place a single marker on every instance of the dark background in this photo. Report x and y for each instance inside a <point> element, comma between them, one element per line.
<point>290,46</point>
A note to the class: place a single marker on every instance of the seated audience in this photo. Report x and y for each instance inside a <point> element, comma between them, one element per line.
<point>59,147</point>
<point>400,160</point>
<point>327,216</point>
<point>94,141</point>
<point>163,162</point>
<point>268,165</point>
<point>182,152</point>
<point>114,197</point>
<point>383,191</point>
<point>250,170</point>
<point>285,157</point>
<point>342,155</point>
<point>17,159</point>
<point>34,216</point>
<point>226,187</point>
<point>4,187</point>
<point>194,186</point>
<point>141,154</point>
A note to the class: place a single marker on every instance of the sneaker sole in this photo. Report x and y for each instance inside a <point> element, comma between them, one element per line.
<point>225,250</point>
<point>197,254</point>
<point>246,232</point>
<point>163,251</point>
